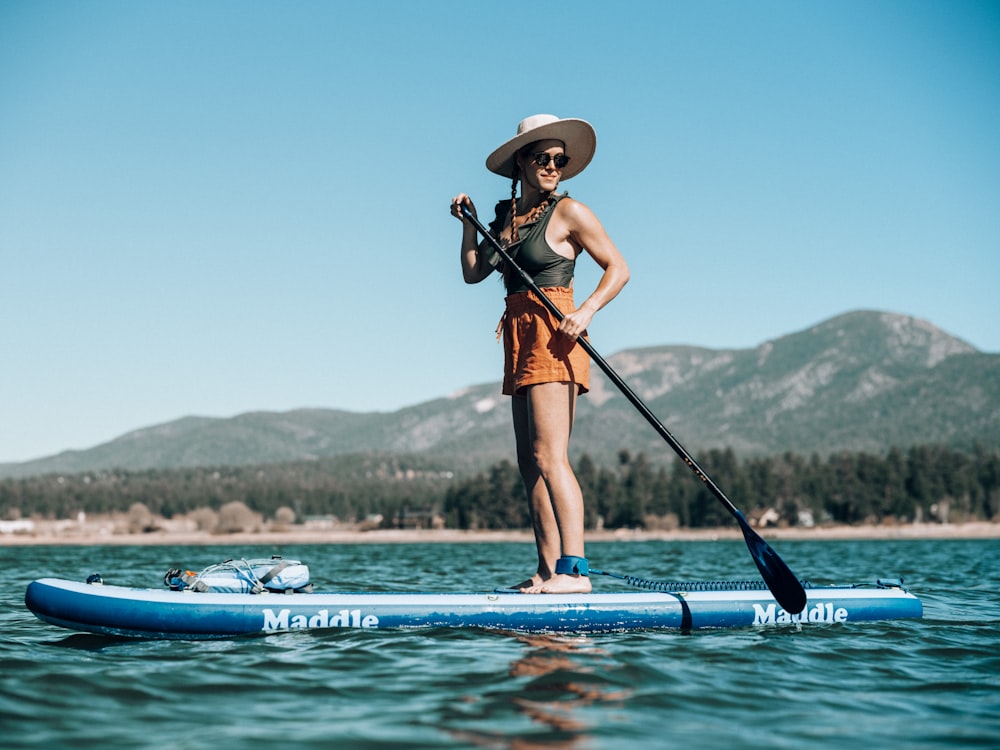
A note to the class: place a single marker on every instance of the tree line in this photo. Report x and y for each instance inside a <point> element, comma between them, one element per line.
<point>924,483</point>
<point>927,483</point>
<point>342,488</point>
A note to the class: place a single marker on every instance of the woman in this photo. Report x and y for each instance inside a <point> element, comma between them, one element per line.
<point>544,369</point>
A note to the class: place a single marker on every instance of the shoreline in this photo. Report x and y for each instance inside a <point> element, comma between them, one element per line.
<point>88,538</point>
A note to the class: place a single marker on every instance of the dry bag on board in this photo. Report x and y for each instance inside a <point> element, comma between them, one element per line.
<point>274,575</point>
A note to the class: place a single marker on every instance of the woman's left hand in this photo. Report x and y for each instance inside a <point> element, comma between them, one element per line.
<point>575,324</point>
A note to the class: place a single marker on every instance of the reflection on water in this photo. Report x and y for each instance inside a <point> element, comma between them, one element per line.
<point>554,682</point>
<point>561,684</point>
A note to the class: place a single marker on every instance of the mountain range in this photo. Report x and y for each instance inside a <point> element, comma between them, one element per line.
<point>861,381</point>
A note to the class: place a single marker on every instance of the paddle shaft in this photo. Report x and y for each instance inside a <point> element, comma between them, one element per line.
<point>783,584</point>
<point>606,368</point>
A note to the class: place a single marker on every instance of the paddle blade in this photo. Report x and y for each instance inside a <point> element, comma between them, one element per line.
<point>786,588</point>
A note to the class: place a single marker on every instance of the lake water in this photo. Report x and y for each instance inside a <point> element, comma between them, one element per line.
<point>929,683</point>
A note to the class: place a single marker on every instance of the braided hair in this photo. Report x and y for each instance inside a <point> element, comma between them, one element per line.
<point>514,179</point>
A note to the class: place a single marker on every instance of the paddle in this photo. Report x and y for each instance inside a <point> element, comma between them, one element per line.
<point>783,584</point>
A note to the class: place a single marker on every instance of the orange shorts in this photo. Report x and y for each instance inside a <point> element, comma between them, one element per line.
<point>533,351</point>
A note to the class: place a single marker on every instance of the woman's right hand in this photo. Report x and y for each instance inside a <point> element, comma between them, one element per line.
<point>475,265</point>
<point>456,206</point>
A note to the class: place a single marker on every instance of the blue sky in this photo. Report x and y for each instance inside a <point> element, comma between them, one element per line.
<point>213,208</point>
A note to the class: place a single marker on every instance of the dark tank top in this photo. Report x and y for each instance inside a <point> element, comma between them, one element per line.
<point>532,253</point>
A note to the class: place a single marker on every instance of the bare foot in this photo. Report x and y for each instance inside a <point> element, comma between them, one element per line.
<point>533,582</point>
<point>560,584</point>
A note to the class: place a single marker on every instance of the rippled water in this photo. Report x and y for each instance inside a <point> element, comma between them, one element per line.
<point>927,683</point>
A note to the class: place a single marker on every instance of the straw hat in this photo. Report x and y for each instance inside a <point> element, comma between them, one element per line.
<point>578,137</point>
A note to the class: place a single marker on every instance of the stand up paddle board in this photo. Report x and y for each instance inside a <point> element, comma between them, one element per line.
<point>187,614</point>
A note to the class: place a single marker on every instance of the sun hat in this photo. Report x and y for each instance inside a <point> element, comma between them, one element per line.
<point>578,137</point>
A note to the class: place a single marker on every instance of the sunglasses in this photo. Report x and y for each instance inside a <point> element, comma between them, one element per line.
<point>542,159</point>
